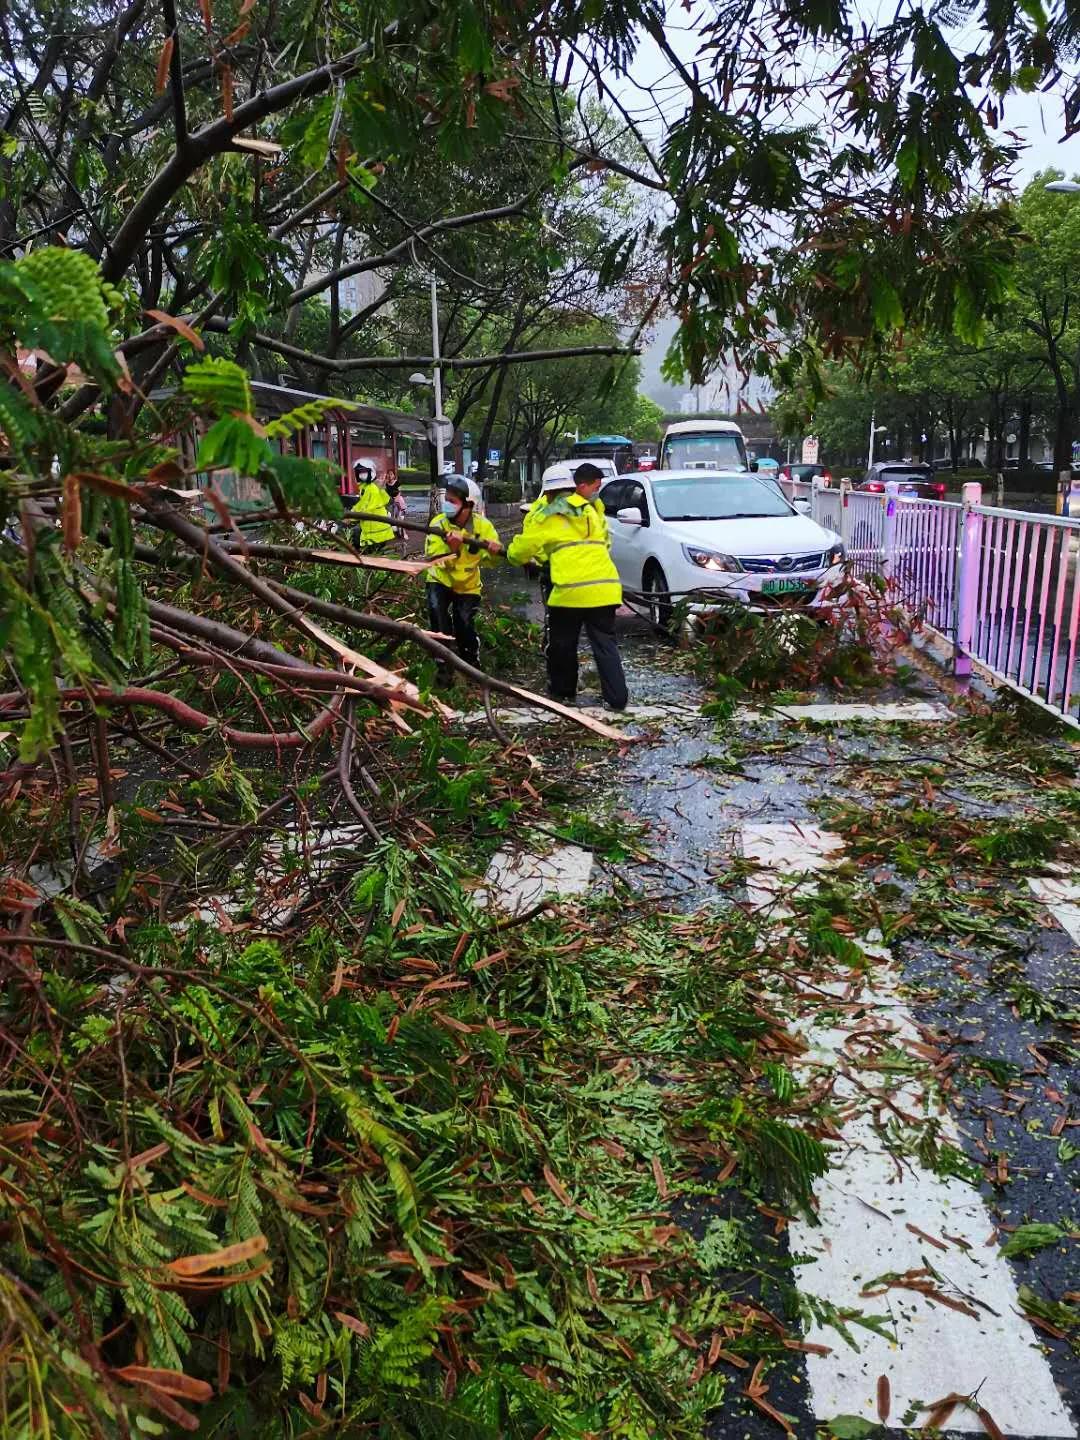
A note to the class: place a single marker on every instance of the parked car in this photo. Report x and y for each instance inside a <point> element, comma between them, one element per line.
<point>766,465</point>
<point>917,480</point>
<point>675,532</point>
<point>796,470</point>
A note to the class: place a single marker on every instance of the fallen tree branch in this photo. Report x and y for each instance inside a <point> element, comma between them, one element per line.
<point>344,769</point>
<point>186,716</point>
<point>344,615</point>
<point>199,542</point>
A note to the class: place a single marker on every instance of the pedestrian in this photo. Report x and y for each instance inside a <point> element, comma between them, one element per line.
<point>374,494</point>
<point>468,540</point>
<point>570,534</point>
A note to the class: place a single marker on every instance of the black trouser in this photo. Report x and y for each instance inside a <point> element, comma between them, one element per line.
<point>455,614</point>
<point>545,595</point>
<point>564,631</point>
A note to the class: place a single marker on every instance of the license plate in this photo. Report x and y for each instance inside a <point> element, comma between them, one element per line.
<point>787,585</point>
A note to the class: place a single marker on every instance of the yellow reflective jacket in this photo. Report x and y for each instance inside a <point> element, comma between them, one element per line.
<point>537,506</point>
<point>460,572</point>
<point>570,535</point>
<point>374,499</point>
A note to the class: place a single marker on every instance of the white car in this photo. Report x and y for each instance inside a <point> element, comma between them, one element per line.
<point>734,534</point>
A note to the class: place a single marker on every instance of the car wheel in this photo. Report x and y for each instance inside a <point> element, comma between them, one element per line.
<point>656,588</point>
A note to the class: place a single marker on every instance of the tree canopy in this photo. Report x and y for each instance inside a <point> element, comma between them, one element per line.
<point>1023,371</point>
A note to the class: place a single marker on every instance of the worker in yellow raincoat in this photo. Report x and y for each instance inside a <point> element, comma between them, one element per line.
<point>468,540</point>
<point>374,494</point>
<point>570,535</point>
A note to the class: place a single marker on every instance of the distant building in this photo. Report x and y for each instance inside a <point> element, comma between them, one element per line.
<point>729,391</point>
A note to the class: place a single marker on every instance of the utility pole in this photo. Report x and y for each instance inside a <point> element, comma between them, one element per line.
<point>436,374</point>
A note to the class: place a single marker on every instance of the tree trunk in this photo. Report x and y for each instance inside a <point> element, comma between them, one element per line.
<point>954,451</point>
<point>496,397</point>
<point>1024,457</point>
<point>1064,429</point>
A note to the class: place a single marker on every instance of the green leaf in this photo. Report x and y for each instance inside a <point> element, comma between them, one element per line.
<point>310,487</point>
<point>1029,1239</point>
<point>231,444</point>
<point>218,385</point>
<point>851,1427</point>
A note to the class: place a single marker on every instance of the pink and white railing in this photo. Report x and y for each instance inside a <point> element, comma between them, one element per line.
<point>1002,585</point>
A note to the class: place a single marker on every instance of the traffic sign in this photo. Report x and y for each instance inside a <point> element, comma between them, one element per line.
<point>810,450</point>
<point>494,456</point>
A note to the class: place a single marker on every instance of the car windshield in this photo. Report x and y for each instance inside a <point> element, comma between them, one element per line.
<point>740,497</point>
<point>704,452</point>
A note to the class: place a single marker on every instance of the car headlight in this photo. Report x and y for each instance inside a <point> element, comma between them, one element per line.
<point>710,559</point>
<point>836,556</point>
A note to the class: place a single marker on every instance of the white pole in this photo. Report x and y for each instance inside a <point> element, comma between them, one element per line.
<point>870,457</point>
<point>436,371</point>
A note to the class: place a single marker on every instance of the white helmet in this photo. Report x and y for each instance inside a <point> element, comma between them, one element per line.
<point>556,477</point>
<point>462,485</point>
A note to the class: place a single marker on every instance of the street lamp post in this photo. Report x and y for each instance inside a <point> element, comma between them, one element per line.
<point>874,430</point>
<point>437,427</point>
<point>436,373</point>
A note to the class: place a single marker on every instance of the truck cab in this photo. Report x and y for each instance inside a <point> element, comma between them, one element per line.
<point>703,445</point>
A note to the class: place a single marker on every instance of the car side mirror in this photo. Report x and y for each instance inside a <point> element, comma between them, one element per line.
<point>630,517</point>
<point>753,465</point>
<point>802,505</point>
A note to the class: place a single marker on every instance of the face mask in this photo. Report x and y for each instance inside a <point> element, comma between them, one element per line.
<point>451,508</point>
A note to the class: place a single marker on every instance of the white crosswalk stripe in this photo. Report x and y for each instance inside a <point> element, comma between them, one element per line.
<point>1061,896</point>
<point>516,880</point>
<point>871,1208</point>
<point>911,712</point>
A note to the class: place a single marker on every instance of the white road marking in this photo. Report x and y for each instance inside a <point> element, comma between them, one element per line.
<point>1062,898</point>
<point>912,712</point>
<point>787,851</point>
<point>516,880</point>
<point>525,716</point>
<point>865,1205</point>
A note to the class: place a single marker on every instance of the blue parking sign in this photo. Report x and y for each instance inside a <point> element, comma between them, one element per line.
<point>494,456</point>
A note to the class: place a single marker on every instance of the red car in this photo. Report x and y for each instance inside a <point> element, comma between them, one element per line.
<point>796,470</point>
<point>917,480</point>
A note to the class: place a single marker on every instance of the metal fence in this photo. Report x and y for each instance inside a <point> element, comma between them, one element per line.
<point>1001,585</point>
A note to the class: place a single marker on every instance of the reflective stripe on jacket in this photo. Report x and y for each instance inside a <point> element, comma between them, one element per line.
<point>460,572</point>
<point>374,498</point>
<point>571,536</point>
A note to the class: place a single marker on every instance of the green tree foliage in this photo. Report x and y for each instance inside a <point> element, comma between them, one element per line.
<point>241,175</point>
<point>1022,373</point>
